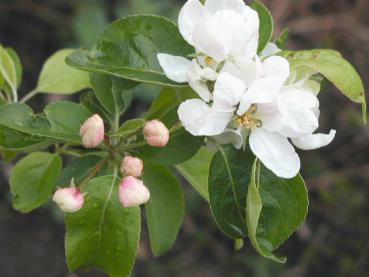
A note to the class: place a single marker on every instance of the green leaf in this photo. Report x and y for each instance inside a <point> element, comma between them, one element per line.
<point>90,102</point>
<point>130,127</point>
<point>254,206</point>
<point>128,48</point>
<point>32,180</point>
<point>65,116</point>
<point>78,169</point>
<point>62,120</point>
<point>2,82</point>
<point>103,234</point>
<point>229,177</point>
<point>281,41</point>
<point>17,141</point>
<point>266,24</point>
<point>8,71</point>
<point>335,68</point>
<point>165,209</point>
<point>17,64</point>
<point>181,146</point>
<point>275,209</point>
<point>113,93</point>
<point>59,78</point>
<point>167,100</point>
<point>196,171</point>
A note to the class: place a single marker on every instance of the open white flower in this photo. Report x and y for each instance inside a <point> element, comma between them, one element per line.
<point>218,30</point>
<point>293,114</point>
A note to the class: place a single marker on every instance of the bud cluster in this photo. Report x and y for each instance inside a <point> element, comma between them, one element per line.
<point>132,191</point>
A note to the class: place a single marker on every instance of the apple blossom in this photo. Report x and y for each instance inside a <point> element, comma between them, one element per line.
<point>132,166</point>
<point>69,200</point>
<point>219,30</point>
<point>92,131</point>
<point>294,114</point>
<point>132,192</point>
<point>156,133</point>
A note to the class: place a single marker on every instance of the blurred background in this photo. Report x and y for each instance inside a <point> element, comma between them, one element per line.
<point>334,241</point>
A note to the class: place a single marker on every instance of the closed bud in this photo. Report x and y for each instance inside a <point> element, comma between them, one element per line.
<point>132,166</point>
<point>132,192</point>
<point>92,131</point>
<point>156,133</point>
<point>69,200</point>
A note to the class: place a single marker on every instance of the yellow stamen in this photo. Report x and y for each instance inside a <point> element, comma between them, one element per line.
<point>208,61</point>
<point>248,119</point>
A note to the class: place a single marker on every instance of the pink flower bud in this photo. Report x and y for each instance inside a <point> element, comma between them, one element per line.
<point>156,133</point>
<point>132,166</point>
<point>69,200</point>
<point>92,131</point>
<point>132,192</point>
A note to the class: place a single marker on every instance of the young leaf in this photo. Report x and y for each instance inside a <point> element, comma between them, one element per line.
<point>103,234</point>
<point>32,180</point>
<point>17,64</point>
<point>59,78</point>
<point>266,24</point>
<point>335,68</point>
<point>254,206</point>
<point>62,120</point>
<point>196,171</point>
<point>165,209</point>
<point>229,177</point>
<point>112,92</point>
<point>8,71</point>
<point>282,39</point>
<point>275,209</point>
<point>128,48</point>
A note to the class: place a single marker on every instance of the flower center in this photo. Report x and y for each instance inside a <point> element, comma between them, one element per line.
<point>208,61</point>
<point>248,119</point>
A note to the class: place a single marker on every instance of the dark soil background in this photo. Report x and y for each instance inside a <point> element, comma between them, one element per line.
<point>335,239</point>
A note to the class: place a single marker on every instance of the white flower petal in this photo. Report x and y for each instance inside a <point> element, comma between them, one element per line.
<point>299,122</point>
<point>228,92</point>
<point>191,14</point>
<point>192,113</point>
<point>242,68</point>
<point>275,152</point>
<point>213,6</point>
<point>230,136</point>
<point>314,141</point>
<point>272,74</point>
<point>201,120</point>
<point>197,76</point>
<point>216,35</point>
<point>293,97</point>
<point>175,67</point>
<point>269,50</point>
<point>215,122</point>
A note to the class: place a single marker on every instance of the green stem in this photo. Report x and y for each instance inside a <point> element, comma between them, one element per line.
<point>134,145</point>
<point>28,96</point>
<point>94,171</point>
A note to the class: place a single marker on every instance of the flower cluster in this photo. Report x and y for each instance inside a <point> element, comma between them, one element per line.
<point>244,96</point>
<point>132,191</point>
